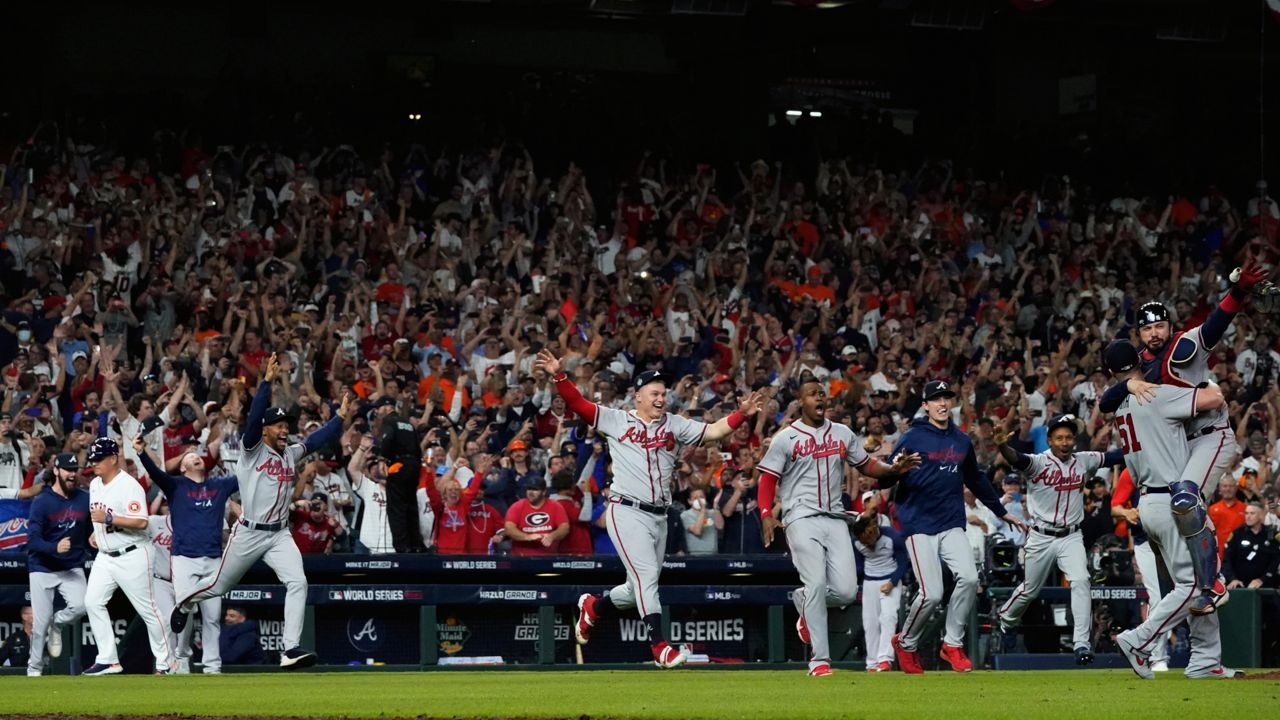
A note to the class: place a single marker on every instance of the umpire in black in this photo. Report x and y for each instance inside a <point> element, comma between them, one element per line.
<point>398,443</point>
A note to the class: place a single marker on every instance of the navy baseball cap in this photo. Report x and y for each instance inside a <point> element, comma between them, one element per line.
<point>1120,356</point>
<point>938,388</point>
<point>151,423</point>
<point>1066,420</point>
<point>67,461</point>
<point>1151,312</point>
<point>101,449</point>
<point>649,376</point>
<point>275,415</point>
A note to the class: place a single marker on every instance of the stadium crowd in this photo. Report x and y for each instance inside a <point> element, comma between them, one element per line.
<point>143,294</point>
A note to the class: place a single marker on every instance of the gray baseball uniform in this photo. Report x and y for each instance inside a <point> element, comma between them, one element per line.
<point>644,461</point>
<point>1055,505</point>
<point>160,530</point>
<point>1211,447</point>
<point>1153,437</point>
<point>809,464</point>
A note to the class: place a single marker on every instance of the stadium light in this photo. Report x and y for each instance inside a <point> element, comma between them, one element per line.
<point>795,113</point>
<point>815,114</point>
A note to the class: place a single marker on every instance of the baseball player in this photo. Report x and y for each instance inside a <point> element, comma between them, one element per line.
<point>1154,441</point>
<point>1182,359</point>
<point>197,507</point>
<point>1143,556</point>
<point>882,561</point>
<point>1055,503</point>
<point>118,509</point>
<point>644,445</point>
<point>804,463</point>
<point>267,466</point>
<point>160,532</point>
<point>931,511</point>
<point>57,538</point>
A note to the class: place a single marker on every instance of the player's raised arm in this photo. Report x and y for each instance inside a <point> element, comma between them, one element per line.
<point>573,399</point>
<point>725,426</point>
<point>166,482</point>
<point>1243,280</point>
<point>258,408</point>
<point>330,431</point>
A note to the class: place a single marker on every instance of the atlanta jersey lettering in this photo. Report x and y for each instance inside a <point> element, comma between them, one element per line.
<point>160,530</point>
<point>266,481</point>
<point>1153,435</point>
<point>644,454</point>
<point>1055,488</point>
<point>809,463</point>
<point>124,497</point>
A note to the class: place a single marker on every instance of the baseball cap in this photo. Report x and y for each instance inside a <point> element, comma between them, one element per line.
<point>67,461</point>
<point>649,376</point>
<point>151,423</point>
<point>848,350</point>
<point>1065,420</point>
<point>1012,479</point>
<point>275,415</point>
<point>518,445</point>
<point>938,388</point>
<point>77,355</point>
<point>101,449</point>
<point>1119,356</point>
<point>536,484</point>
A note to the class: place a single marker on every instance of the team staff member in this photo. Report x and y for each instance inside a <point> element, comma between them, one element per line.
<point>118,509</point>
<point>882,561</point>
<point>197,505</point>
<point>267,470</point>
<point>398,443</point>
<point>1252,558</point>
<point>644,445</point>
<point>931,510</point>
<point>57,539</point>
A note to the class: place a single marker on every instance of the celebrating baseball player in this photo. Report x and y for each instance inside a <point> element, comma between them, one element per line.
<point>196,507</point>
<point>118,509</point>
<point>267,466</point>
<point>930,502</point>
<point>1182,359</point>
<point>1153,439</point>
<point>1055,502</point>
<point>882,561</point>
<point>1144,557</point>
<point>805,463</point>
<point>57,539</point>
<point>644,445</point>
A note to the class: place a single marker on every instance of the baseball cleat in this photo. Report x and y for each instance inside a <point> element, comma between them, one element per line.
<point>297,658</point>
<point>1008,636</point>
<point>954,655</point>
<point>1084,656</point>
<point>665,656</point>
<point>177,620</point>
<point>53,643</point>
<point>886,666</point>
<point>908,660</point>
<point>183,667</point>
<point>102,669</point>
<point>163,671</point>
<point>586,618</point>
<point>802,627</point>
<point>875,668</point>
<point>1218,673</point>
<point>1140,663</point>
<point>34,673</point>
<point>820,670</point>
<point>1160,666</point>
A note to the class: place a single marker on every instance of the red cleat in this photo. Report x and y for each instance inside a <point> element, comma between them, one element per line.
<point>955,655</point>
<point>820,670</point>
<point>586,618</point>
<point>908,660</point>
<point>665,656</point>
<point>886,666</point>
<point>802,629</point>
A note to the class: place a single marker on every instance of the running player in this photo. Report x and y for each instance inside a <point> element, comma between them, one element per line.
<point>57,539</point>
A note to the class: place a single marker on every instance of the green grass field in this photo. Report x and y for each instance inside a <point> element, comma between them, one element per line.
<point>643,694</point>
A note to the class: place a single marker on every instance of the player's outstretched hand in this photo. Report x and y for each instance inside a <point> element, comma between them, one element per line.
<point>1130,514</point>
<point>1248,276</point>
<point>752,403</point>
<point>767,526</point>
<point>904,463</point>
<point>273,366</point>
<point>547,362</point>
<point>1143,391</point>
<point>1014,521</point>
<point>138,444</point>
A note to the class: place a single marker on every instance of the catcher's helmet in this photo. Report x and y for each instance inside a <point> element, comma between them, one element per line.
<point>1151,312</point>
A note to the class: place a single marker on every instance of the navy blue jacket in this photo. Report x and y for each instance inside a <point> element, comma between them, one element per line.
<point>197,509</point>
<point>52,518</point>
<point>930,499</point>
<point>240,644</point>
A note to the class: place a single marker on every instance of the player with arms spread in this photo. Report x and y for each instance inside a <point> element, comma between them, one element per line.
<point>1153,438</point>
<point>1055,502</point>
<point>267,471</point>
<point>1181,359</point>
<point>805,464</point>
<point>644,445</point>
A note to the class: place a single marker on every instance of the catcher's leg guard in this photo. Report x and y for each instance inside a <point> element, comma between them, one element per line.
<point>1192,520</point>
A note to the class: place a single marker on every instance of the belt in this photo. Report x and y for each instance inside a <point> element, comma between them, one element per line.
<point>1206,431</point>
<point>1156,490</point>
<point>269,527</point>
<point>1058,532</point>
<point>118,553</point>
<point>651,509</point>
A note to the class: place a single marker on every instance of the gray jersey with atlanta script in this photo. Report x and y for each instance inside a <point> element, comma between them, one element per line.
<point>266,481</point>
<point>809,463</point>
<point>1153,435</point>
<point>644,454</point>
<point>1055,488</point>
